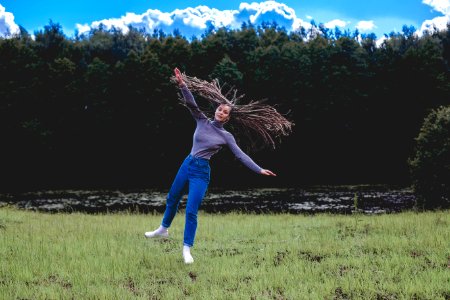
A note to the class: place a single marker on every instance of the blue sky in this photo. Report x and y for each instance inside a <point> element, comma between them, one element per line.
<point>191,16</point>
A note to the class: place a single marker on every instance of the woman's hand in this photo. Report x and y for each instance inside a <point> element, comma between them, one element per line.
<point>178,76</point>
<point>267,172</point>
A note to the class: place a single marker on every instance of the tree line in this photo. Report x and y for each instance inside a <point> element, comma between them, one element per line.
<point>99,110</point>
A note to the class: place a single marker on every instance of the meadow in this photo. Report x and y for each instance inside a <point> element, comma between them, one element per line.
<point>237,256</point>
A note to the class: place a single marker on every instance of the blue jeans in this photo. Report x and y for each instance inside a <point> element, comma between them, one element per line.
<point>193,175</point>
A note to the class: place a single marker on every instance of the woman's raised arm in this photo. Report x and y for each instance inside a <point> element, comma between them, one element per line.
<point>188,97</point>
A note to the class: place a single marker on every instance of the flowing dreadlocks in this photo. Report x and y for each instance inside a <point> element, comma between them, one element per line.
<point>251,118</point>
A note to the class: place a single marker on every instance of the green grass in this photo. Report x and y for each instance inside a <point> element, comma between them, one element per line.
<point>237,256</point>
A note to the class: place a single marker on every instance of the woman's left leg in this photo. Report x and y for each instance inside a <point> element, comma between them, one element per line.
<point>197,191</point>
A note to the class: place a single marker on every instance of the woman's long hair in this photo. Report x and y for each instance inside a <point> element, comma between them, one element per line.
<point>260,124</point>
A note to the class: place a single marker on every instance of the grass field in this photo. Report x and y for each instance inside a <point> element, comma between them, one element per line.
<point>237,256</point>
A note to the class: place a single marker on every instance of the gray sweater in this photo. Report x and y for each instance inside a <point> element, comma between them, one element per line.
<point>210,136</point>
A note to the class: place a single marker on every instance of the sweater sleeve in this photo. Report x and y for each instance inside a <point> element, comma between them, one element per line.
<point>239,154</point>
<point>191,104</point>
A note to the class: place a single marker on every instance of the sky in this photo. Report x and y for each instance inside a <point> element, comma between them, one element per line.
<point>192,17</point>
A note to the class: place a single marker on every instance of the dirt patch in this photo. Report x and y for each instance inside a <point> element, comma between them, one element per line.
<point>246,279</point>
<point>52,279</point>
<point>346,231</point>
<point>162,240</point>
<point>276,294</point>
<point>154,297</point>
<point>344,270</point>
<point>225,252</point>
<point>258,261</point>
<point>165,281</point>
<point>193,276</point>
<point>387,296</point>
<point>374,251</point>
<point>430,263</point>
<point>339,294</point>
<point>311,256</point>
<point>416,254</point>
<point>279,257</point>
<point>130,285</point>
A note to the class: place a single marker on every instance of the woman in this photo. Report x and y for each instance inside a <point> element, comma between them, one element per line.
<point>194,173</point>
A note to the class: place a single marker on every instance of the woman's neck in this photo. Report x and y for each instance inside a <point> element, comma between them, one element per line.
<point>218,124</point>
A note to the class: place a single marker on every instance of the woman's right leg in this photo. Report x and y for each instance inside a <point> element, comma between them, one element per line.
<point>177,190</point>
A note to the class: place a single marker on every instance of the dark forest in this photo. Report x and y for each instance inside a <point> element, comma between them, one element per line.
<point>99,110</point>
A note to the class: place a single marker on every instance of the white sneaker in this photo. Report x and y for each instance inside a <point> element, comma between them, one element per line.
<point>160,232</point>
<point>188,259</point>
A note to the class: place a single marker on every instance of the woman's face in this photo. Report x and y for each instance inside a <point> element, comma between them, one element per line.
<point>222,113</point>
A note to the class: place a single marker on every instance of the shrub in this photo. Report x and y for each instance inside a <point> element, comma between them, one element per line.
<point>430,162</point>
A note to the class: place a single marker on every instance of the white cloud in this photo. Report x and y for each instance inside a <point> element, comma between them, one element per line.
<point>332,24</point>
<point>83,28</point>
<point>194,20</point>
<point>7,24</point>
<point>438,22</point>
<point>200,16</point>
<point>272,10</point>
<point>442,6</point>
<point>149,20</point>
<point>365,25</point>
<point>380,41</point>
<point>189,20</point>
<point>309,17</point>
